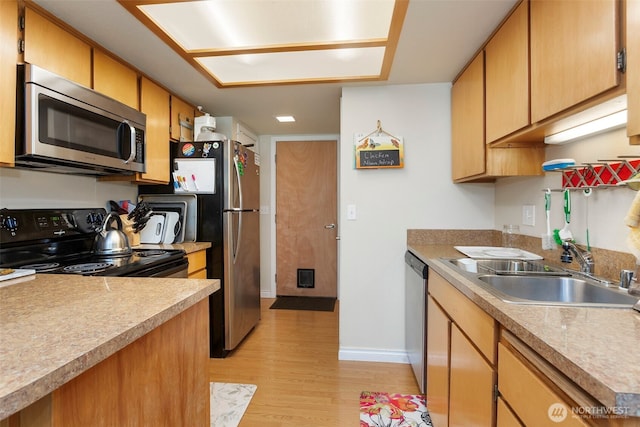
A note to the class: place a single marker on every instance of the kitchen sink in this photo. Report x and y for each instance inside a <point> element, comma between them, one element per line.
<point>554,290</point>
<point>511,267</point>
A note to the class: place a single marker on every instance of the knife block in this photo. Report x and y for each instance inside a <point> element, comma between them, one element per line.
<point>127,228</point>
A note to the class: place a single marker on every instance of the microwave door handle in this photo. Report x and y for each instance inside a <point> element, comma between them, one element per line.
<point>132,133</point>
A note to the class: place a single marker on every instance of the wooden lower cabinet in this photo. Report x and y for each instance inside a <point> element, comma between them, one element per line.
<point>461,350</point>
<point>161,379</point>
<point>505,417</point>
<point>471,384</point>
<point>439,330</point>
<point>198,265</point>
<point>531,398</point>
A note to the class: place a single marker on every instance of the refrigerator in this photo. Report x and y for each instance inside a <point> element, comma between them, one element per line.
<point>224,176</point>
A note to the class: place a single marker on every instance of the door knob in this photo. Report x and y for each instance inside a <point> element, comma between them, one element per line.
<point>330,226</point>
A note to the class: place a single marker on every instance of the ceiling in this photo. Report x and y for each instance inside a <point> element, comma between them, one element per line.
<point>437,39</point>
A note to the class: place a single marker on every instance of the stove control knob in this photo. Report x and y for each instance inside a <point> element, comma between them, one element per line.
<point>9,223</point>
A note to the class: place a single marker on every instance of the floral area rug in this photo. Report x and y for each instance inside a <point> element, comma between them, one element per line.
<point>393,410</point>
<point>228,403</point>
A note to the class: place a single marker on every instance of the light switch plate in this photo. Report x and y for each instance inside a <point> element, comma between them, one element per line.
<point>352,214</point>
<point>529,215</point>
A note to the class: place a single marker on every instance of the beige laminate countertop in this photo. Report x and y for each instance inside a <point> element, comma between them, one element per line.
<point>54,327</point>
<point>597,348</point>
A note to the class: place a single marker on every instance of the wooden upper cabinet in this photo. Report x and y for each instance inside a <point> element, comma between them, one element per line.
<point>507,76</point>
<point>114,79</point>
<point>154,102</point>
<point>633,70</point>
<point>467,121</point>
<point>56,50</point>
<point>182,115</point>
<point>573,53</point>
<point>8,60</point>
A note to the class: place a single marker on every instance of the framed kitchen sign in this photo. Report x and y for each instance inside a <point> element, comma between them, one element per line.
<point>378,149</point>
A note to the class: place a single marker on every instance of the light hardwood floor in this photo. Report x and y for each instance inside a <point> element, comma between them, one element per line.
<point>292,356</point>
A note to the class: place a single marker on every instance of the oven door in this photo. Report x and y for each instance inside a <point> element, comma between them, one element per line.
<point>177,269</point>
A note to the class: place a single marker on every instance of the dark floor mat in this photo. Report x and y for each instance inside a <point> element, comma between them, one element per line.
<point>304,303</point>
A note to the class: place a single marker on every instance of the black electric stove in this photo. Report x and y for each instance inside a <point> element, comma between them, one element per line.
<point>60,241</point>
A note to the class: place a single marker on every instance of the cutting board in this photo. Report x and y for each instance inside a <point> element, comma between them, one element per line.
<point>16,273</point>
<point>493,252</point>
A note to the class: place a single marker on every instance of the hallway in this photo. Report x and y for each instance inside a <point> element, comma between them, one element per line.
<point>292,357</point>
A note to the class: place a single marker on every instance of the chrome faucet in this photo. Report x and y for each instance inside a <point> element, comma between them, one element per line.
<point>584,257</point>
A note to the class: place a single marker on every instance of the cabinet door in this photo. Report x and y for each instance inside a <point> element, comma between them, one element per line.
<point>182,115</point>
<point>505,417</point>
<point>438,330</point>
<point>471,384</point>
<point>56,50</point>
<point>531,399</point>
<point>154,102</point>
<point>114,79</point>
<point>573,53</point>
<point>197,265</point>
<point>467,121</point>
<point>507,76</point>
<point>633,70</point>
<point>8,60</point>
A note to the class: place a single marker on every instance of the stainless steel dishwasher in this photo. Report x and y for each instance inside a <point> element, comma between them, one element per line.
<point>416,279</point>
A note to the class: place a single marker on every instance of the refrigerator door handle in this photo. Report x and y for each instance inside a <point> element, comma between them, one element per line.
<point>236,159</point>
<point>236,250</point>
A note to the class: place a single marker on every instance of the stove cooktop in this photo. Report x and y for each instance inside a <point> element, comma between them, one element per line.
<point>60,241</point>
<point>106,266</point>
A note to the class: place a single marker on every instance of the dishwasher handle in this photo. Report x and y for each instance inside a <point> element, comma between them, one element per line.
<point>421,268</point>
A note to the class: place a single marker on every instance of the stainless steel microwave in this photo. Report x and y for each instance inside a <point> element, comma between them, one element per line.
<point>68,128</point>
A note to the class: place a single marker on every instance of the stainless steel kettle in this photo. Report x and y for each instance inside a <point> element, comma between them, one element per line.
<point>111,241</point>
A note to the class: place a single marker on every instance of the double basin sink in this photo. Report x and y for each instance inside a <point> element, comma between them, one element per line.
<point>533,282</point>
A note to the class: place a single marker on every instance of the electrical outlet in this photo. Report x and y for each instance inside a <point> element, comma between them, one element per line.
<point>529,215</point>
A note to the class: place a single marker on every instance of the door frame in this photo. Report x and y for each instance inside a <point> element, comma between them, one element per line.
<point>271,292</point>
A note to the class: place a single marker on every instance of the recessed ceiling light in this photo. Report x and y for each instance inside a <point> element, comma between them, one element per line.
<point>285,119</point>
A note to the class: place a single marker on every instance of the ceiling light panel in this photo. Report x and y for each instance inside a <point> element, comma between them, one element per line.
<point>252,42</point>
<point>211,25</point>
<point>294,66</point>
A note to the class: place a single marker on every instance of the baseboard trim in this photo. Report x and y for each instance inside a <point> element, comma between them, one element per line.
<point>373,355</point>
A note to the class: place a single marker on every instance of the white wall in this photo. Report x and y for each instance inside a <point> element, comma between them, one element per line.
<point>390,201</point>
<point>605,208</point>
<point>25,189</point>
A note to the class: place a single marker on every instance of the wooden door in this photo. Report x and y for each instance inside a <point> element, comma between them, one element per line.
<point>306,218</point>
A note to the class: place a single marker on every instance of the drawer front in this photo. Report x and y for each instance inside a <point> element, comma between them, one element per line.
<point>506,418</point>
<point>197,261</point>
<point>476,324</point>
<point>529,396</point>
<point>201,274</point>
